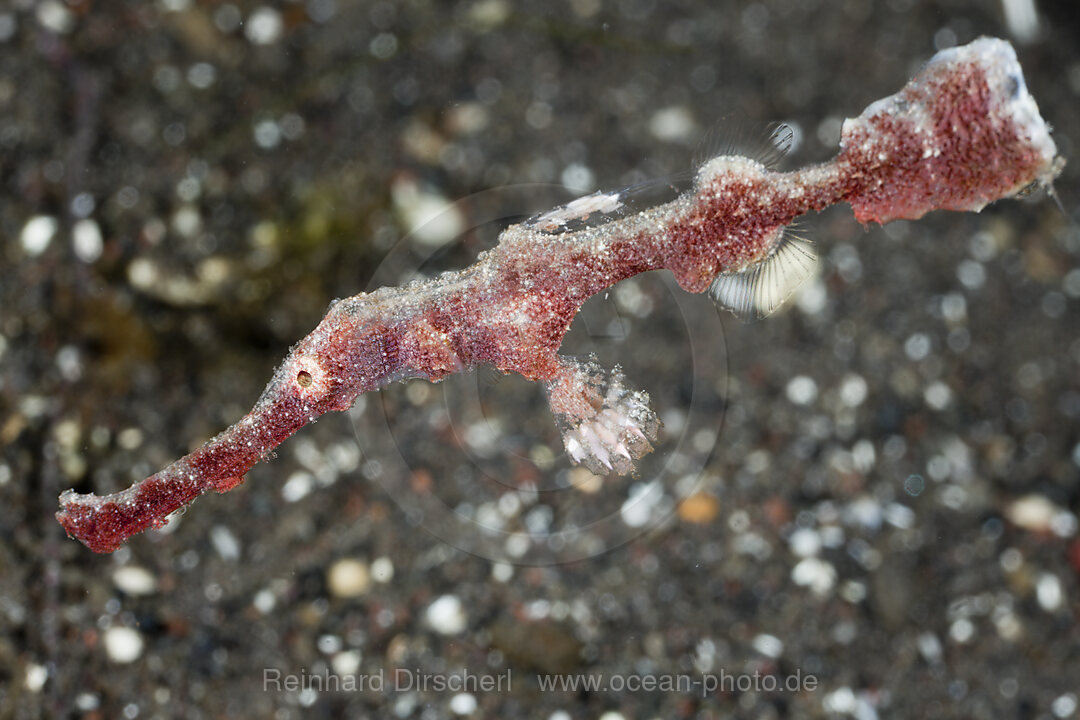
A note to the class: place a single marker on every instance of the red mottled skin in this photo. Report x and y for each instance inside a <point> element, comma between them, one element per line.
<point>961,134</point>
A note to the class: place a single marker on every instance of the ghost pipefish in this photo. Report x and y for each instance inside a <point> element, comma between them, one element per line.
<point>963,133</point>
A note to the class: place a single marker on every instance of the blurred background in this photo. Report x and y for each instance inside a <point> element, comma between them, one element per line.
<point>876,488</point>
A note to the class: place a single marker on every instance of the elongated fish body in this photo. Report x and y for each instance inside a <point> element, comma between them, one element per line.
<point>963,133</point>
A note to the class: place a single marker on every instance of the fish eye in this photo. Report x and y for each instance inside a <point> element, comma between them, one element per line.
<point>308,377</point>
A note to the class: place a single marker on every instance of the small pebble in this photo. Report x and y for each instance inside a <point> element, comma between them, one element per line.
<point>812,297</point>
<point>36,675</point>
<point>430,219</point>
<point>938,395</point>
<point>802,390</point>
<point>637,510</point>
<point>768,645</point>
<point>348,578</point>
<point>298,486</point>
<point>346,662</point>
<point>1032,512</point>
<point>37,234</point>
<point>134,580</point>
<point>1064,706</point>
<point>225,542</point>
<point>446,615</point>
<point>264,27</point>
<point>962,630</point>
<point>123,644</point>
<point>264,601</point>
<point>841,700</point>
<point>87,241</point>
<point>502,572</point>
<point>805,542</point>
<point>929,647</point>
<point>816,574</point>
<point>700,508</point>
<point>1049,593</point>
<point>382,570</point>
<point>853,390</point>
<point>463,704</point>
<point>672,124</point>
<point>865,512</point>
<point>87,702</point>
<point>54,15</point>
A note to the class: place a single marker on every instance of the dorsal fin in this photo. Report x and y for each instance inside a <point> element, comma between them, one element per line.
<point>760,289</point>
<point>766,143</point>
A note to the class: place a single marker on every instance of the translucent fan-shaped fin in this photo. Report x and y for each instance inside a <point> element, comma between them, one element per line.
<point>763,287</point>
<point>766,143</point>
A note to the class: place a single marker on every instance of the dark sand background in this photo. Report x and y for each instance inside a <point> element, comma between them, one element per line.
<point>882,481</point>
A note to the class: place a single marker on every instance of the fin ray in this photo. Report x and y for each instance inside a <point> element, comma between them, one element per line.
<point>762,288</point>
<point>768,144</point>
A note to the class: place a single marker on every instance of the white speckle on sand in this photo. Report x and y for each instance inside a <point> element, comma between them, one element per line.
<point>37,233</point>
<point>267,134</point>
<point>446,615</point>
<point>463,704</point>
<point>502,572</point>
<point>264,601</point>
<point>36,675</point>
<point>264,26</point>
<point>1064,705</point>
<point>348,577</point>
<point>841,700</point>
<point>382,570</point>
<point>225,542</point>
<point>805,542</point>
<point>853,390</point>
<point>297,486</point>
<point>186,221</point>
<point>123,644</point>
<point>816,574</point>
<point>1049,593</point>
<point>1032,512</point>
<point>346,662</point>
<point>938,395</point>
<point>578,178</point>
<point>812,297</point>
<point>87,702</point>
<point>962,630</point>
<point>801,390</point>
<point>87,241</point>
<point>863,511</point>
<point>637,509</point>
<point>1022,19</point>
<point>672,124</point>
<point>929,647</point>
<point>768,645</point>
<point>55,16</point>
<point>134,580</point>
<point>917,346</point>
<point>328,644</point>
<point>432,220</point>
